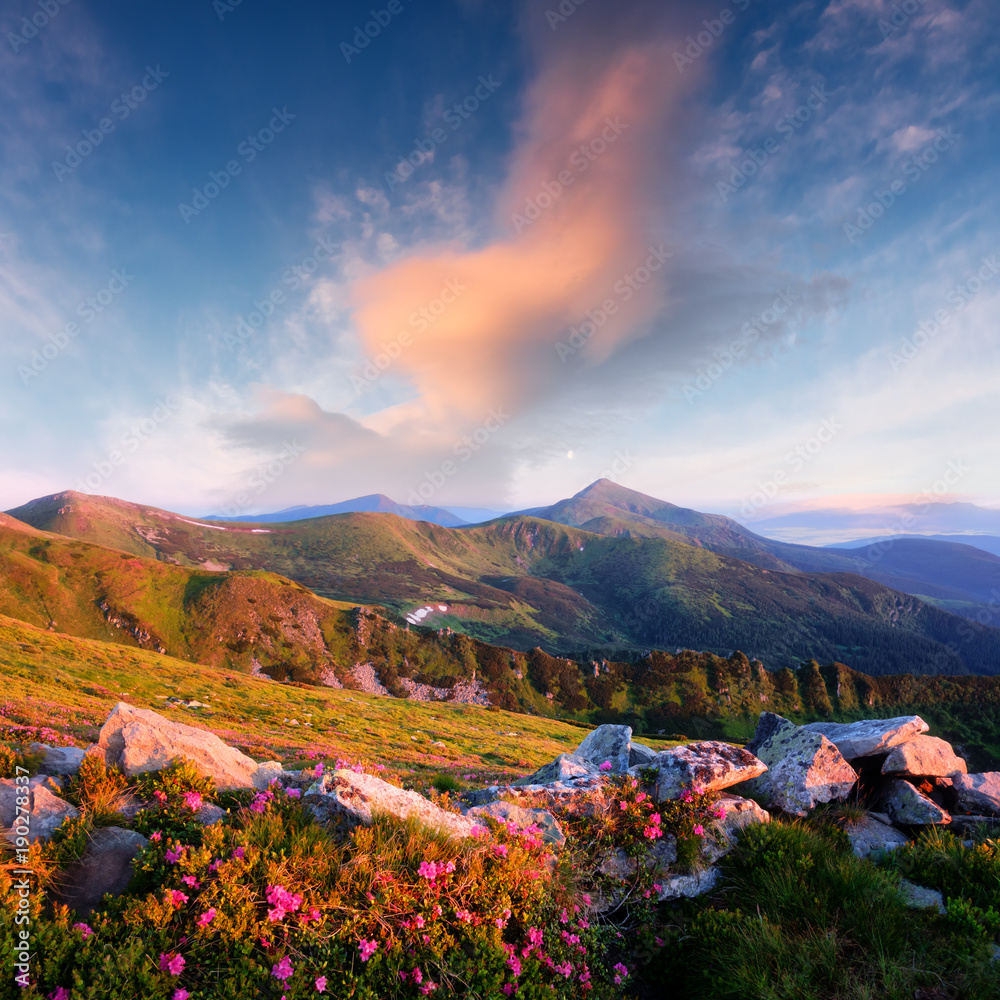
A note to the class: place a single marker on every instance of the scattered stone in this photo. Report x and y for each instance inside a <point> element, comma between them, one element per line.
<point>710,764</point>
<point>966,822</point>
<point>688,885</point>
<point>565,767</point>
<point>59,760</point>
<point>917,897</point>
<point>869,736</point>
<point>740,813</point>
<point>870,835</point>
<point>641,755</point>
<point>908,805</point>
<point>608,743</point>
<point>804,767</point>
<point>523,818</point>
<point>355,797</point>
<point>270,770</point>
<point>46,811</point>
<point>579,797</point>
<point>978,792</point>
<point>106,867</point>
<point>137,740</point>
<point>924,756</point>
<point>209,814</point>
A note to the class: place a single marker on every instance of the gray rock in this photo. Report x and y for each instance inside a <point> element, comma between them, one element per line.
<point>739,813</point>
<point>979,793</point>
<point>47,812</point>
<point>268,771</point>
<point>578,797</point>
<point>804,767</point>
<point>10,792</point>
<point>869,736</point>
<point>355,798</point>
<point>608,743</point>
<point>688,885</point>
<point>106,867</point>
<point>917,897</point>
<point>137,740</point>
<point>210,814</point>
<point>870,836</point>
<point>710,764</point>
<point>564,768</point>
<point>59,760</point>
<point>641,756</point>
<point>924,756</point>
<point>908,805</point>
<point>523,818</point>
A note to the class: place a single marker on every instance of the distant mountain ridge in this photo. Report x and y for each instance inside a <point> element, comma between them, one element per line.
<point>524,582</point>
<point>371,503</point>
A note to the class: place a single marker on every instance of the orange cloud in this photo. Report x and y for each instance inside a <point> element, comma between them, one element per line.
<point>574,213</point>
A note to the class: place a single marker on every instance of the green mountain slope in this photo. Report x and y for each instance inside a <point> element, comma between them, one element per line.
<point>522,582</point>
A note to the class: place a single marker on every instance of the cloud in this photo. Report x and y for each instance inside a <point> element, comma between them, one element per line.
<point>572,220</point>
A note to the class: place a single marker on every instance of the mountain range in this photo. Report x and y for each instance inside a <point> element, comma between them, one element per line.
<point>607,570</point>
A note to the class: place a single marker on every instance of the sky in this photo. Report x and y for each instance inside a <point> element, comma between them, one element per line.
<point>479,253</point>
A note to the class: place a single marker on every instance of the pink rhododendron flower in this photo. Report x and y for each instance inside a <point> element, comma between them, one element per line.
<point>193,800</point>
<point>463,915</point>
<point>318,769</point>
<point>173,856</point>
<point>478,831</point>
<point>321,984</point>
<point>180,994</point>
<point>160,796</point>
<point>177,897</point>
<point>699,830</point>
<point>206,918</point>
<point>172,963</point>
<point>606,766</point>
<point>239,853</point>
<point>720,813</point>
<point>283,970</point>
<point>367,949</point>
<point>156,835</point>
<point>191,881</point>
<point>500,850</point>
<point>84,929</point>
<point>428,987</point>
<point>282,902</point>
<point>61,993</point>
<point>621,972</point>
<point>294,793</point>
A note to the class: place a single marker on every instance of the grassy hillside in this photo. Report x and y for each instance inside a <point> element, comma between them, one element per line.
<point>522,582</point>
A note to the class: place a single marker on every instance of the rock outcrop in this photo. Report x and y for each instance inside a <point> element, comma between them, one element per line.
<point>870,835</point>
<point>106,867</point>
<point>58,760</point>
<point>709,764</point>
<point>978,793</point>
<point>46,811</point>
<point>608,743</point>
<point>804,767</point>
<point>906,804</point>
<point>869,736</point>
<point>137,740</point>
<point>924,756</point>
<point>520,818</point>
<point>565,767</point>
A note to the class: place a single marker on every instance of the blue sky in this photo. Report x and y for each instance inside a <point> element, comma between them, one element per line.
<point>737,257</point>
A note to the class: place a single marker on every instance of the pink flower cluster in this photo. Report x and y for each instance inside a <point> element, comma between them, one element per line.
<point>172,962</point>
<point>367,949</point>
<point>654,829</point>
<point>261,801</point>
<point>84,929</point>
<point>431,870</point>
<point>283,970</point>
<point>282,902</point>
<point>193,800</point>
